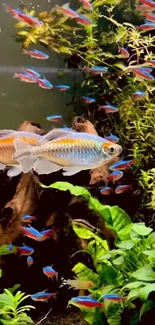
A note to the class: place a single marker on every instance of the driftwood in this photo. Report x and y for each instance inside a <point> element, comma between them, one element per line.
<point>27,195</point>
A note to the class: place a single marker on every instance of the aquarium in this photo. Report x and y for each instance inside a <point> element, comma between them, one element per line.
<point>77,162</point>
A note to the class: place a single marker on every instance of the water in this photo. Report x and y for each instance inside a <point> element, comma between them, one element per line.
<point>21,101</point>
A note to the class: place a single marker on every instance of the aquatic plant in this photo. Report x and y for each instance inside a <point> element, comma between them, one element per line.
<point>11,311</point>
<point>127,270</point>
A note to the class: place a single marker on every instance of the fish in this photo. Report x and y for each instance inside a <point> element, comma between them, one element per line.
<point>29,261</point>
<point>149,16</point>
<point>43,296</point>
<point>54,118</point>
<point>28,218</point>
<point>82,20</point>
<point>114,297</point>
<point>87,302</point>
<point>36,54</point>
<point>14,12</point>
<point>87,5</point>
<point>50,272</point>
<point>125,54</point>
<point>115,176</point>
<point>26,77</point>
<point>147,69</point>
<point>112,138</point>
<point>44,83</point>
<point>96,70</point>
<point>121,165</point>
<point>149,3</point>
<point>147,26</point>
<point>62,87</point>
<point>32,72</point>
<point>143,7</point>
<point>25,250</point>
<point>106,190</point>
<point>122,188</point>
<point>152,62</point>
<point>138,95</point>
<point>142,74</point>
<point>88,100</point>
<point>78,284</point>
<point>68,150</point>
<point>31,232</point>
<point>7,149</point>
<point>108,108</point>
<point>29,20</point>
<point>45,234</point>
<point>67,11</point>
<point>26,18</point>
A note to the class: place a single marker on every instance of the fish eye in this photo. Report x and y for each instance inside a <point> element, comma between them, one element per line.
<point>111,149</point>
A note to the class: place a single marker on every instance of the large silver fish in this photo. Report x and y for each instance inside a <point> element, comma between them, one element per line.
<point>67,150</point>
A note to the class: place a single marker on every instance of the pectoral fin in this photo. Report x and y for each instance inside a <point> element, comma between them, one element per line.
<point>14,171</point>
<point>2,166</point>
<point>44,166</point>
<point>69,171</point>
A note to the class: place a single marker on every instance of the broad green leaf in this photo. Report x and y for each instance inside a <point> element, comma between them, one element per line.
<point>82,232</point>
<point>126,244</point>
<point>150,253</point>
<point>134,285</point>
<point>5,251</point>
<point>115,217</point>
<point>84,273</point>
<point>141,229</point>
<point>118,261</point>
<point>145,291</point>
<point>144,273</point>
<point>133,294</point>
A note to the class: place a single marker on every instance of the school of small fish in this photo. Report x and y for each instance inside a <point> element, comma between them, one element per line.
<point>65,149</point>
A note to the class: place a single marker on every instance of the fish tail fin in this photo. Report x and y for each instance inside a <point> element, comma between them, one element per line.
<point>23,155</point>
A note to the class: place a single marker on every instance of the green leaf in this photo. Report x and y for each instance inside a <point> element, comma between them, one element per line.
<point>141,229</point>
<point>23,33</point>
<point>82,232</point>
<point>118,261</point>
<point>150,253</point>
<point>144,273</point>
<point>134,285</point>
<point>84,273</point>
<point>5,251</point>
<point>115,217</point>
<point>126,244</point>
<point>133,294</point>
<point>145,291</point>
